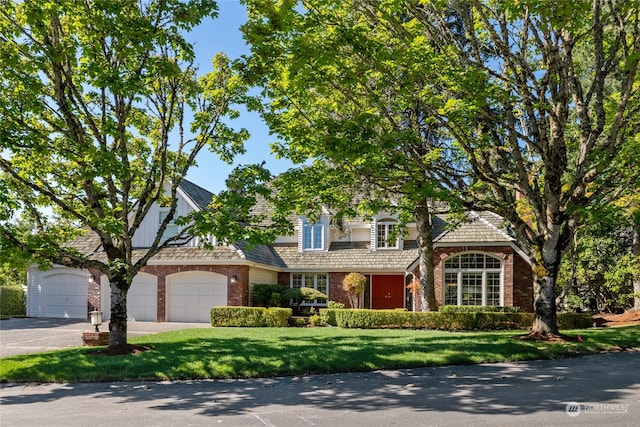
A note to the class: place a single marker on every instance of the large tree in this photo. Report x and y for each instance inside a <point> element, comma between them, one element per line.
<point>532,105</point>
<point>102,116</point>
<point>350,117</point>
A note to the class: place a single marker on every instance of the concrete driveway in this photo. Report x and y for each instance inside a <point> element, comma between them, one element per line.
<point>32,335</point>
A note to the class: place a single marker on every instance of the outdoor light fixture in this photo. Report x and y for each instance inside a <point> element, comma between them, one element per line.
<point>96,318</point>
<point>234,279</point>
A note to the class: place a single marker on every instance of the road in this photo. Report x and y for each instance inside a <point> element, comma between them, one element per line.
<point>597,390</point>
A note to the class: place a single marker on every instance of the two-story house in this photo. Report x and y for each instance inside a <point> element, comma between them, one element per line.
<point>476,263</point>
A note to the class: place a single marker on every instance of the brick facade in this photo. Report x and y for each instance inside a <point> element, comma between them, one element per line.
<point>516,274</point>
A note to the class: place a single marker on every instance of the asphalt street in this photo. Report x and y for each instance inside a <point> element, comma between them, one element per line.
<point>599,390</point>
<point>596,390</point>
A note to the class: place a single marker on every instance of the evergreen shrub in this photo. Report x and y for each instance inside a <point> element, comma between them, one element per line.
<point>12,301</point>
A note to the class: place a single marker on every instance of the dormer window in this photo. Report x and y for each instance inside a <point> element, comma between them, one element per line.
<point>385,239</point>
<point>312,236</point>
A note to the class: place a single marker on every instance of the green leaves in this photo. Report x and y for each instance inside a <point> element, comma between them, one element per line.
<point>96,99</point>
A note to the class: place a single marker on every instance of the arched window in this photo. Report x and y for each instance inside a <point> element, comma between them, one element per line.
<point>472,279</point>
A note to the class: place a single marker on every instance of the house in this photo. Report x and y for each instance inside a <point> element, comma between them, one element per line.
<point>476,263</point>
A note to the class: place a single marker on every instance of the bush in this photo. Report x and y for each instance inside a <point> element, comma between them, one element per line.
<point>427,320</point>
<point>334,304</point>
<point>276,317</point>
<point>329,316</point>
<point>316,320</point>
<point>478,309</point>
<point>267,295</point>
<point>254,317</point>
<point>12,301</point>
<point>574,321</point>
<point>353,284</point>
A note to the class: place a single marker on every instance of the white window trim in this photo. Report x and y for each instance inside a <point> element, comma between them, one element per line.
<point>318,230</point>
<point>315,286</point>
<point>461,271</point>
<point>384,221</point>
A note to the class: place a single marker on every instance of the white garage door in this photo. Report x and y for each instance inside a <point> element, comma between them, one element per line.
<point>191,295</point>
<point>65,295</point>
<point>142,298</point>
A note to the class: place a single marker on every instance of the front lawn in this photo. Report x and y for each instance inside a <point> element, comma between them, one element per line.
<point>263,352</point>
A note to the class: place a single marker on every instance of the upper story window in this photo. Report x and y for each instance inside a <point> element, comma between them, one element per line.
<point>312,236</point>
<point>385,238</point>
<point>172,229</point>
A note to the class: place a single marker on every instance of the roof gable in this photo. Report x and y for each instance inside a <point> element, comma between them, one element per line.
<point>198,195</point>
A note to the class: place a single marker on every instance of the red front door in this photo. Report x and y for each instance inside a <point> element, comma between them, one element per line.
<point>387,291</point>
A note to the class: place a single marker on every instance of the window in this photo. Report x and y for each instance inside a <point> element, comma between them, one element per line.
<point>472,279</point>
<point>172,229</point>
<point>318,282</point>
<point>312,236</point>
<point>384,234</point>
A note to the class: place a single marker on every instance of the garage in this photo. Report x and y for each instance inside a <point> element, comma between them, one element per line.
<point>142,298</point>
<point>192,294</point>
<point>65,294</point>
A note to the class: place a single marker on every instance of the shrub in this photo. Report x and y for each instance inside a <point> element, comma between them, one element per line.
<point>276,317</point>
<point>238,316</point>
<point>12,301</point>
<point>329,316</point>
<point>478,309</point>
<point>334,304</point>
<point>300,295</point>
<point>353,284</point>
<point>427,320</point>
<point>574,321</point>
<point>297,322</point>
<point>316,320</point>
<point>267,295</point>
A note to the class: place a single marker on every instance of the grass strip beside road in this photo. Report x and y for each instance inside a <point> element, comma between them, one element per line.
<point>266,352</point>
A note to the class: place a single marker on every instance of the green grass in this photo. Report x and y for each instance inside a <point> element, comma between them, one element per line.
<point>263,352</point>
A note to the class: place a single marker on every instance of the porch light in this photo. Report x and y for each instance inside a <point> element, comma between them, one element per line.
<point>96,318</point>
<point>234,279</point>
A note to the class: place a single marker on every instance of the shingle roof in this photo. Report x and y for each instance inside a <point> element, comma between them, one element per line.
<point>343,256</point>
<point>199,195</point>
<point>261,254</point>
<point>480,227</point>
<point>86,243</point>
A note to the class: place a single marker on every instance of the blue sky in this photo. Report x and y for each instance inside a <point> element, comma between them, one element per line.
<point>223,35</point>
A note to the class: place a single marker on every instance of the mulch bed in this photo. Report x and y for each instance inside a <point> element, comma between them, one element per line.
<point>122,350</point>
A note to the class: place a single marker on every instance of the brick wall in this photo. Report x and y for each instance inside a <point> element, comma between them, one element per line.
<point>94,296</point>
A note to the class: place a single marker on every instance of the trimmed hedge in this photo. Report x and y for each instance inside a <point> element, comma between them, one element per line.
<point>574,321</point>
<point>349,318</point>
<point>250,316</point>
<point>366,319</point>
<point>478,309</point>
<point>12,301</point>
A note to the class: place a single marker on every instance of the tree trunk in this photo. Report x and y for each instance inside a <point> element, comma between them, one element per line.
<point>544,305</point>
<point>118,321</point>
<point>426,265</point>
<point>636,276</point>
